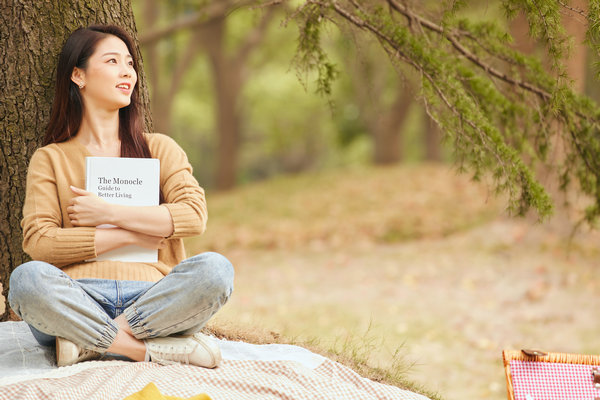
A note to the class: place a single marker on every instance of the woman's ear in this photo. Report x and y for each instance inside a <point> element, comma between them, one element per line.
<point>78,77</point>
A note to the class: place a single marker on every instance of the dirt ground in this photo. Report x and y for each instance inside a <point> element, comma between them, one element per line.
<point>447,306</point>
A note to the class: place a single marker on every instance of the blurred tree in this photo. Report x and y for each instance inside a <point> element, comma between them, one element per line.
<point>31,36</point>
<point>432,137</point>
<point>167,66</point>
<point>383,98</point>
<point>500,109</point>
<point>208,26</point>
<point>228,69</point>
<point>574,20</point>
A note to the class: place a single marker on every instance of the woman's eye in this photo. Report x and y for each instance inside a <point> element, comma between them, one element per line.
<point>112,60</point>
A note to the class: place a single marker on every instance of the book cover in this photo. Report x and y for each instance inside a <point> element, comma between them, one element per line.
<point>128,182</point>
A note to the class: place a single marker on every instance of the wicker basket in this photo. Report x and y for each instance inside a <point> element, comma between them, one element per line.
<point>534,375</point>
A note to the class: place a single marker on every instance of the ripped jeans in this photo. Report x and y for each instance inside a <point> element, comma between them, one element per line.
<point>83,310</point>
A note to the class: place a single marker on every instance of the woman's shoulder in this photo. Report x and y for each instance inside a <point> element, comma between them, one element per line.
<point>52,151</point>
<point>161,144</point>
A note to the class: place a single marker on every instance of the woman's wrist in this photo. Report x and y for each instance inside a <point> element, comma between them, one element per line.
<point>147,220</point>
<point>112,214</point>
<point>107,239</point>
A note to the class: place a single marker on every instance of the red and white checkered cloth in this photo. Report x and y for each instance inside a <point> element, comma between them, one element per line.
<point>552,381</point>
<point>233,380</point>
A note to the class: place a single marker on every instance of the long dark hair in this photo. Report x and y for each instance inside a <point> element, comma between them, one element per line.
<point>67,107</point>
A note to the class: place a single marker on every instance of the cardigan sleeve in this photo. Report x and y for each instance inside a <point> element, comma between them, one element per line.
<point>44,236</point>
<point>183,196</point>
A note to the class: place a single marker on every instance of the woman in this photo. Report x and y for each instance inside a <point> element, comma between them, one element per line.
<point>150,312</point>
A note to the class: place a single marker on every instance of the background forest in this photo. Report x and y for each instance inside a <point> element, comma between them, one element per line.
<point>232,74</point>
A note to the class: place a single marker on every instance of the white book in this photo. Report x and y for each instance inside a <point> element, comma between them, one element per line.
<point>128,182</point>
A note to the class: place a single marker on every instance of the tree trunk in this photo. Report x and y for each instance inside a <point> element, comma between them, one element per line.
<point>433,137</point>
<point>387,129</point>
<point>31,36</point>
<point>576,63</point>
<point>519,30</point>
<point>228,81</point>
<point>370,82</point>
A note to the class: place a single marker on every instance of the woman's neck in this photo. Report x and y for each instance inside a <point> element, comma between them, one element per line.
<point>99,133</point>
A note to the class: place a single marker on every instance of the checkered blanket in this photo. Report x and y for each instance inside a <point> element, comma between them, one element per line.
<point>233,380</point>
<point>247,372</point>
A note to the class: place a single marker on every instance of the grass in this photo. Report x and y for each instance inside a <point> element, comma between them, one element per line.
<point>336,208</point>
<point>353,352</point>
<point>292,240</point>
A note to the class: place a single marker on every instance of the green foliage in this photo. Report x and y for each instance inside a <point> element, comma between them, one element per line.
<point>310,55</point>
<point>593,32</point>
<point>545,24</point>
<point>501,110</point>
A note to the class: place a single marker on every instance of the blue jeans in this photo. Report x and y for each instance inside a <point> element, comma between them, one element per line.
<point>83,311</point>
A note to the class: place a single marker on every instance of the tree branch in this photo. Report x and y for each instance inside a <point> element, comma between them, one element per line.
<point>183,63</point>
<point>255,37</point>
<point>573,9</point>
<point>483,136</point>
<point>453,39</point>
<point>214,10</point>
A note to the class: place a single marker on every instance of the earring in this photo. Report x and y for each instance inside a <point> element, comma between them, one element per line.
<point>81,86</point>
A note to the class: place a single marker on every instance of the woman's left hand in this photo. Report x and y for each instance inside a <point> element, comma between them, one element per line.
<point>87,209</point>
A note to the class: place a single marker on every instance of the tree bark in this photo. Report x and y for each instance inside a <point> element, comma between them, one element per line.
<point>31,36</point>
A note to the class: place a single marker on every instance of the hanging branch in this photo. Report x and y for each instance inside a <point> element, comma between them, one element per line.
<point>497,103</point>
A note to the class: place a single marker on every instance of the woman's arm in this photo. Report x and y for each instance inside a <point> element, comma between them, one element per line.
<point>87,209</point>
<point>183,213</point>
<point>45,237</point>
<point>114,238</point>
<point>184,198</point>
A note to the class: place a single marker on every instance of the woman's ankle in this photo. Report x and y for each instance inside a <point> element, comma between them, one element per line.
<point>128,346</point>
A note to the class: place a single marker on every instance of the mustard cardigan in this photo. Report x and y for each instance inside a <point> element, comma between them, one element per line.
<point>49,236</point>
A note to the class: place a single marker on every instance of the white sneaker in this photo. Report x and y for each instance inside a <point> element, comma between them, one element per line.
<point>68,353</point>
<point>197,349</point>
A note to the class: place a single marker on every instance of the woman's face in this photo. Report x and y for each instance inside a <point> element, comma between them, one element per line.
<point>109,77</point>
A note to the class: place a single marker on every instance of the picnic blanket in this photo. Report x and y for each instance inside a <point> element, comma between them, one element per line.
<point>28,371</point>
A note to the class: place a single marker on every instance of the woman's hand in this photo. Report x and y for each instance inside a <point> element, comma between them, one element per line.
<point>87,209</point>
